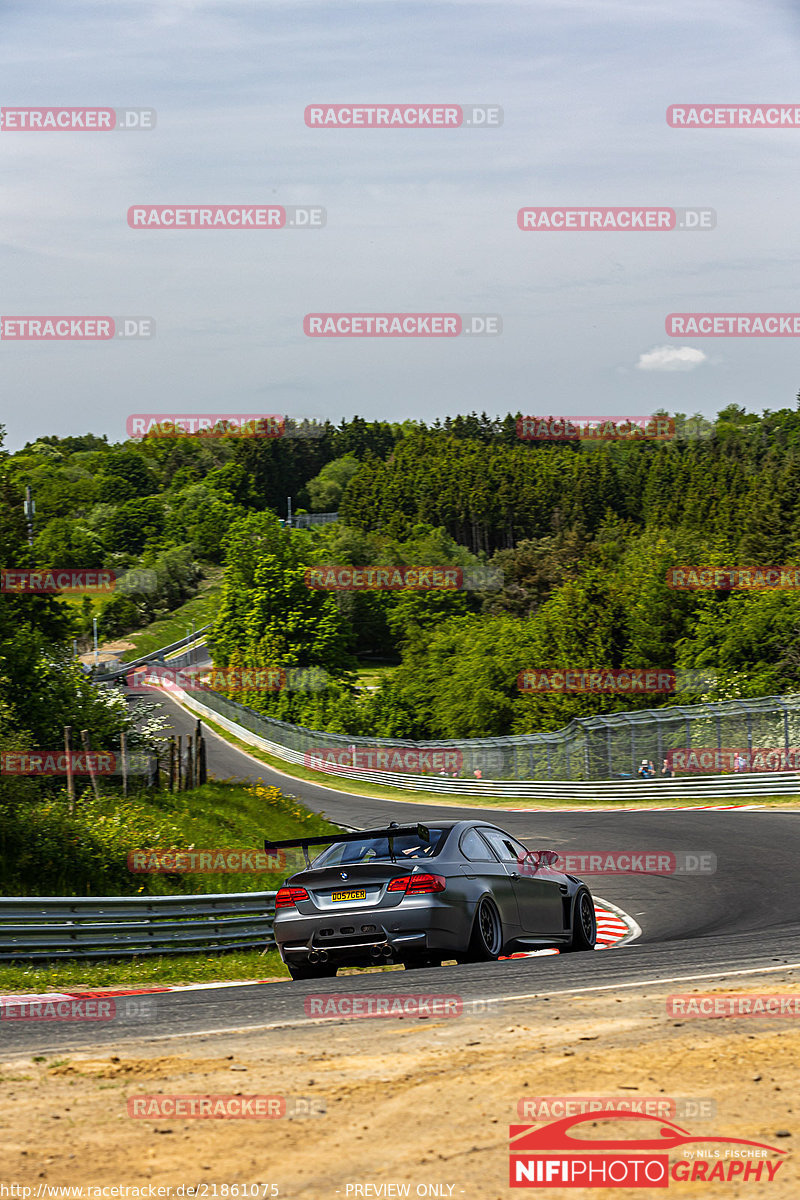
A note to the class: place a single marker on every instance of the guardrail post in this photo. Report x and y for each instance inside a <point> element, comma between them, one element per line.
<point>172,787</point>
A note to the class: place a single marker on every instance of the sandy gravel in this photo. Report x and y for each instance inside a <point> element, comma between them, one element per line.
<point>407,1101</point>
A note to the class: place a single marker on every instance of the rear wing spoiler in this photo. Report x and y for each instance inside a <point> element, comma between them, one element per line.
<point>420,831</point>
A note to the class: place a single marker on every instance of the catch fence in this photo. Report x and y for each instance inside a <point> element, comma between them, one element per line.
<point>755,736</point>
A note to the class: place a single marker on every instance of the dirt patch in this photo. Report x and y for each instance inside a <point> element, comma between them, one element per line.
<point>116,1067</point>
<point>409,1102</point>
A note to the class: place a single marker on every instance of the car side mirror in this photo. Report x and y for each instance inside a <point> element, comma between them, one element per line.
<point>547,858</point>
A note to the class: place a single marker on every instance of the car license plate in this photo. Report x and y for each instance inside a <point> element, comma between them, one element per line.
<point>362,895</point>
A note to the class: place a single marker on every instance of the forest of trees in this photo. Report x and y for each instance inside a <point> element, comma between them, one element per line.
<point>579,534</point>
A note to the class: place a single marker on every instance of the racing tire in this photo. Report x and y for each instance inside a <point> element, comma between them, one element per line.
<point>311,971</point>
<point>486,942</point>
<point>584,923</point>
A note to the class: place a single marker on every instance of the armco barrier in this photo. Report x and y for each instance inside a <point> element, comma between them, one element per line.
<point>604,747</point>
<point>705,787</point>
<point>56,927</point>
<point>154,656</point>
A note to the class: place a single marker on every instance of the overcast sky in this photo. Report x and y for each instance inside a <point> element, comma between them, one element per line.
<point>417,220</point>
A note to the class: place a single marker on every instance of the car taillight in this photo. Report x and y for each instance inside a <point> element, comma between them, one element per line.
<point>417,885</point>
<point>287,897</point>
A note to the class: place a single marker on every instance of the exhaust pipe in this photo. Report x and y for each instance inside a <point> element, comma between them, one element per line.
<point>323,956</point>
<point>313,956</point>
<point>375,951</point>
<point>387,951</point>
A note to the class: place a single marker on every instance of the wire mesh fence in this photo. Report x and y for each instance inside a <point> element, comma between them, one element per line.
<point>732,736</point>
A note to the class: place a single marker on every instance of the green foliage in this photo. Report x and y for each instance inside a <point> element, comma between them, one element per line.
<point>327,488</point>
<point>581,533</point>
<point>268,616</point>
<point>46,851</point>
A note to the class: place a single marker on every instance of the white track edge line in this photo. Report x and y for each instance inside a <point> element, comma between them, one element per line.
<point>308,1021</point>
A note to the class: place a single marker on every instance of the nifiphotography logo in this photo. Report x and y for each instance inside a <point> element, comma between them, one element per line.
<point>590,1151</point>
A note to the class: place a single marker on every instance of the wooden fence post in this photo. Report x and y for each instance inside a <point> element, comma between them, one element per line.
<point>87,745</point>
<point>123,745</point>
<point>70,780</point>
<point>203,767</point>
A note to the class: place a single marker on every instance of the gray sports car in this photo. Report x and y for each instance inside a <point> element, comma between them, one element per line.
<point>418,895</point>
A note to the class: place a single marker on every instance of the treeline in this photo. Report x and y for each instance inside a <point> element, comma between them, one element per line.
<point>580,535</point>
<point>739,481</point>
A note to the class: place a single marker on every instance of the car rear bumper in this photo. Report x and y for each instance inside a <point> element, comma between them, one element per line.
<point>373,936</point>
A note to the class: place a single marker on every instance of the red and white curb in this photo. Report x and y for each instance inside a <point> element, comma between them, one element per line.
<point>614,928</point>
<point>107,993</point>
<point>641,808</point>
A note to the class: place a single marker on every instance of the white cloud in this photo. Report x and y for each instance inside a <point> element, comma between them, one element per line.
<point>671,358</point>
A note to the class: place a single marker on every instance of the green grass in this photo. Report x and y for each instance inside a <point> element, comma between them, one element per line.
<point>200,610</point>
<point>220,814</point>
<point>369,676</point>
<point>46,851</point>
<point>155,971</point>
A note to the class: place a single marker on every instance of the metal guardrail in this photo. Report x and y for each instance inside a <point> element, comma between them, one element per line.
<point>153,656</point>
<point>697,787</point>
<point>605,748</point>
<point>77,927</point>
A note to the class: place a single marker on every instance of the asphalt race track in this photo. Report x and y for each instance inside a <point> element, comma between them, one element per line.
<point>744,918</point>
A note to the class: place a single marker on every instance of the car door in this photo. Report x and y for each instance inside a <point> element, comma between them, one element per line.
<point>539,895</point>
<point>482,864</point>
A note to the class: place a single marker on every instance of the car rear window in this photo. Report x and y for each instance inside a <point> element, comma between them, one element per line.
<point>406,846</point>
